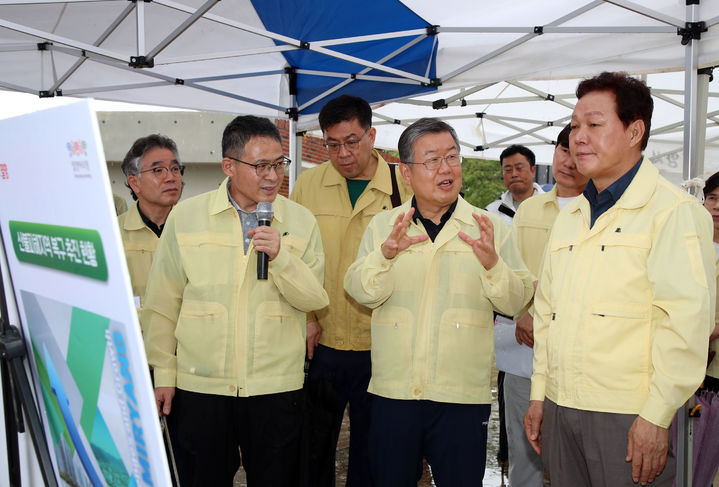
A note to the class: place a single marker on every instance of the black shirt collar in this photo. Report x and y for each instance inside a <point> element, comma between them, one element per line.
<point>149,223</point>
<point>430,227</point>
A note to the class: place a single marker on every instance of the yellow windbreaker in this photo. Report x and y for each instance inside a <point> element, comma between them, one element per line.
<point>713,369</point>
<point>140,244</point>
<point>433,304</point>
<point>623,310</point>
<point>345,323</point>
<point>209,325</point>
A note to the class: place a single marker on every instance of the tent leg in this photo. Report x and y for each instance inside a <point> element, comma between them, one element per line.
<point>690,100</point>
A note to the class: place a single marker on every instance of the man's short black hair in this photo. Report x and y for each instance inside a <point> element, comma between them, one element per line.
<point>240,130</point>
<point>343,109</point>
<point>517,149</point>
<point>633,98</point>
<point>711,183</point>
<point>563,137</point>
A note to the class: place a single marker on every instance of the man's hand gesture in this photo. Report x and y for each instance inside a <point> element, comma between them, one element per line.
<point>484,245</point>
<point>398,240</point>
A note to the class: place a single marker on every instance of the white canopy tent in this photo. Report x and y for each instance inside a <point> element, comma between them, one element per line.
<point>285,58</point>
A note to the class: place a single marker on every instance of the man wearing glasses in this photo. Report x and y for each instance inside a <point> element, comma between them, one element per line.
<point>227,348</point>
<point>344,193</point>
<point>434,270</point>
<point>153,173</point>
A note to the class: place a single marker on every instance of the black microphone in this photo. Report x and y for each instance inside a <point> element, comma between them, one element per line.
<point>264,217</point>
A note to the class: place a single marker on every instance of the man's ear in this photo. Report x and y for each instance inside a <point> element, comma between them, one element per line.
<point>406,173</point>
<point>228,166</point>
<point>132,181</point>
<point>636,132</point>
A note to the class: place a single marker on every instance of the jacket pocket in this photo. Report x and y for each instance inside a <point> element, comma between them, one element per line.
<point>279,341</point>
<point>392,343</point>
<point>616,347</point>
<point>202,338</point>
<point>464,349</point>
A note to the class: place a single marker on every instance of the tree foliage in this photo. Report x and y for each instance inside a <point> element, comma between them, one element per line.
<point>482,181</point>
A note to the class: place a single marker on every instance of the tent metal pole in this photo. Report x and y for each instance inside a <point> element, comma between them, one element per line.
<point>685,436</point>
<point>703,77</point>
<point>292,142</point>
<point>140,24</point>
<point>690,100</point>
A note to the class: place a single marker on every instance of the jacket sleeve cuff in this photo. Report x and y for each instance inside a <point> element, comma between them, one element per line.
<point>165,377</point>
<point>494,277</point>
<point>657,412</point>
<point>538,389</point>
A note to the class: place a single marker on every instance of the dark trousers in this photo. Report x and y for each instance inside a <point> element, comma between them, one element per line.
<point>588,448</point>
<point>453,438</point>
<point>210,428</point>
<point>336,378</point>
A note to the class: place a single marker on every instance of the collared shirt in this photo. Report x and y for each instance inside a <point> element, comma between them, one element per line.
<point>601,202</point>
<point>248,219</point>
<point>157,230</point>
<point>432,228</point>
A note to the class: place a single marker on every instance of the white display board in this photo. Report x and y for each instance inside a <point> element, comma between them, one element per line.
<point>74,299</point>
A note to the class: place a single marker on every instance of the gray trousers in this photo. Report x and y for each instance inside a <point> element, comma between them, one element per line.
<point>525,466</point>
<point>588,448</point>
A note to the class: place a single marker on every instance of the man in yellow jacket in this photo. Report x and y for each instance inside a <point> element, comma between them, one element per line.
<point>434,270</point>
<point>153,173</point>
<point>532,224</point>
<point>343,193</point>
<point>228,348</point>
<point>624,306</point>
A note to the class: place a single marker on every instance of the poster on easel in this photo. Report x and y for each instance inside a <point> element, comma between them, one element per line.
<point>73,293</point>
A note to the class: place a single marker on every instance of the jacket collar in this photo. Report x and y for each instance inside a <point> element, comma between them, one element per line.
<point>636,195</point>
<point>220,201</point>
<point>133,220</point>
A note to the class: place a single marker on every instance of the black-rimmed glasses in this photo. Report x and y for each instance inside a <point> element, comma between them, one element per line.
<point>350,145</point>
<point>262,169</point>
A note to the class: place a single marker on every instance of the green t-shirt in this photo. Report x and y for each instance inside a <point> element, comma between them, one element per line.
<point>356,187</point>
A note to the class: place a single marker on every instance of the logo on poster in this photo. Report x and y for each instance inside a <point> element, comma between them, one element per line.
<point>4,174</point>
<point>77,148</point>
<point>81,167</point>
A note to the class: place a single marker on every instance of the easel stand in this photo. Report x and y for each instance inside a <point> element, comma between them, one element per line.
<point>17,398</point>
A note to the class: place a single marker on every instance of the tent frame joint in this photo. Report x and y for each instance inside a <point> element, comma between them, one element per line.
<point>478,148</point>
<point>480,114</point>
<point>43,46</point>
<point>439,104</point>
<point>691,31</point>
<point>432,30</point>
<point>707,71</point>
<point>433,83</point>
<point>293,113</point>
<point>539,29</point>
<point>141,62</point>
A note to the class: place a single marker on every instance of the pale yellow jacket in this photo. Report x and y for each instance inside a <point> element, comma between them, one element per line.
<point>345,323</point>
<point>209,325</point>
<point>432,324</point>
<point>140,244</point>
<point>623,310</point>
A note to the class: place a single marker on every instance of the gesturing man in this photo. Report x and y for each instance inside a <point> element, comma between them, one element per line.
<point>625,302</point>
<point>433,270</point>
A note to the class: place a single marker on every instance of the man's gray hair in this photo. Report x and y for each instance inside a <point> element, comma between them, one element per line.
<point>421,127</point>
<point>132,163</point>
